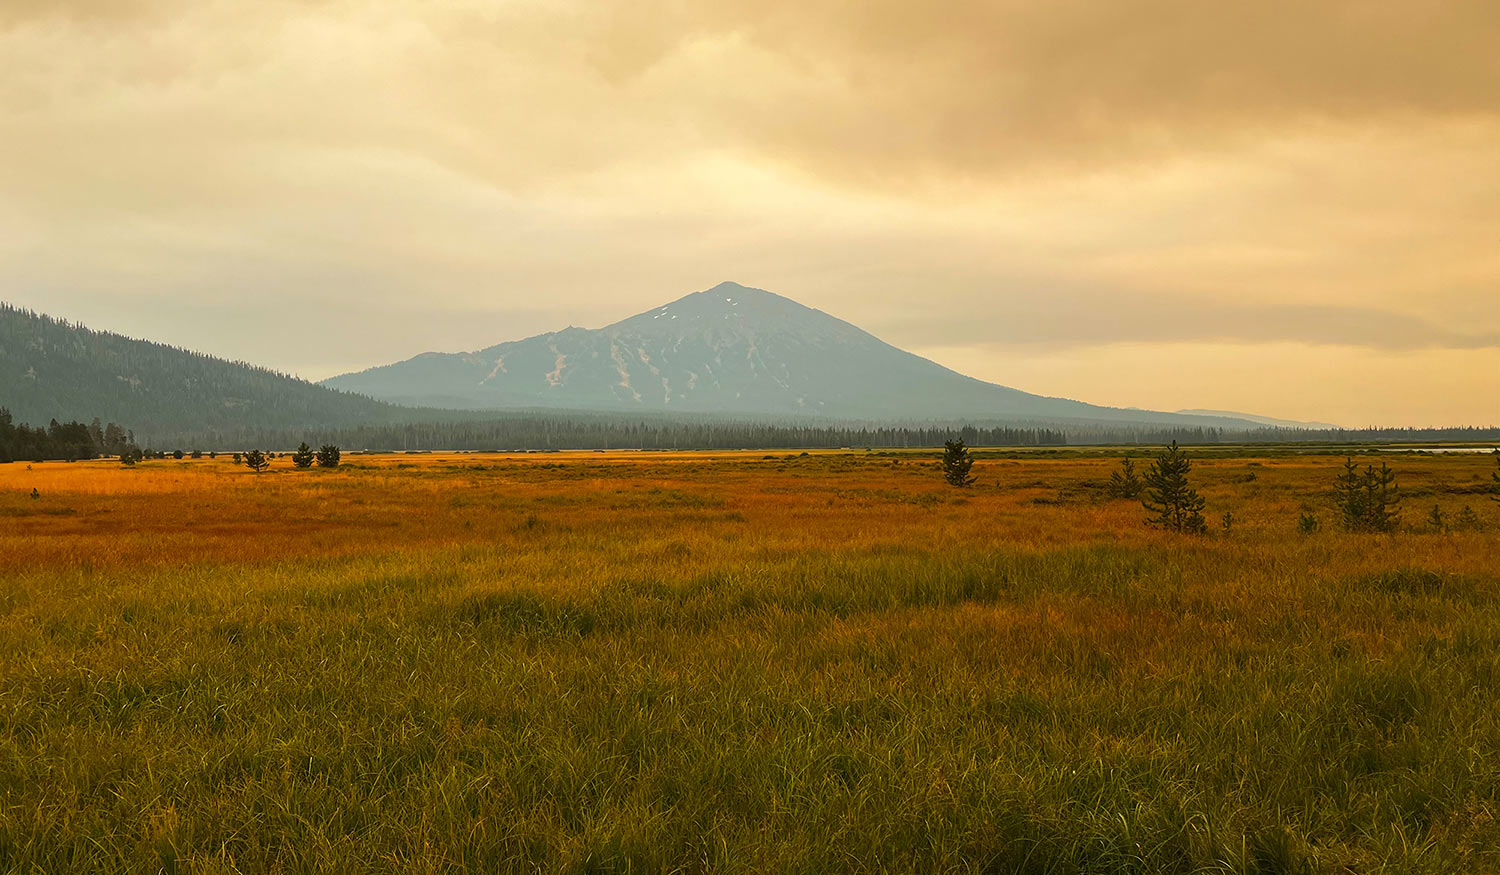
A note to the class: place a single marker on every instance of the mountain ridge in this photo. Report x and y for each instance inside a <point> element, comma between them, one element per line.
<point>1256,418</point>
<point>729,349</point>
<point>53,369</point>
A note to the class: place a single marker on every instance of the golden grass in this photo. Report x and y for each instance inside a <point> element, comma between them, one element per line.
<point>738,662</point>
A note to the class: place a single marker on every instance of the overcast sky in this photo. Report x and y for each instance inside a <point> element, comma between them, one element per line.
<point>1286,207</point>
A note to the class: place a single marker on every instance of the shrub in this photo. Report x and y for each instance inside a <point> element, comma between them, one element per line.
<point>1124,483</point>
<point>1308,524</point>
<point>956,463</point>
<point>1174,505</point>
<point>1369,500</point>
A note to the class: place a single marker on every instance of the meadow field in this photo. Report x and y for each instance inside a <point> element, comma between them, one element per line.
<point>741,662</point>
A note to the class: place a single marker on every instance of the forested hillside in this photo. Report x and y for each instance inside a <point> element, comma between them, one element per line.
<point>51,369</point>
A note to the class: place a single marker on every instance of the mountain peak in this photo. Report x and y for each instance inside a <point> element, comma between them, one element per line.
<point>726,304</point>
<point>730,291</point>
<point>730,348</point>
<point>729,294</point>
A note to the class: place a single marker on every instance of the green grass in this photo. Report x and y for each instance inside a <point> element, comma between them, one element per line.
<point>660,689</point>
<point>806,716</point>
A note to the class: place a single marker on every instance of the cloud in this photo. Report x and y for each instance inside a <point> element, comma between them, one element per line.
<point>1062,322</point>
<point>1050,173</point>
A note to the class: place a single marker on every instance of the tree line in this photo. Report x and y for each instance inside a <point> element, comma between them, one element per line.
<point>60,441</point>
<point>584,432</point>
<point>614,431</point>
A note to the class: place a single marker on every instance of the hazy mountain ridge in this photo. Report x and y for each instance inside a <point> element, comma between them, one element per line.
<point>1270,421</point>
<point>50,369</point>
<point>776,362</point>
<point>730,349</point>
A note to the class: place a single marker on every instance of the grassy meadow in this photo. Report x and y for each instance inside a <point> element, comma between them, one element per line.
<point>740,662</point>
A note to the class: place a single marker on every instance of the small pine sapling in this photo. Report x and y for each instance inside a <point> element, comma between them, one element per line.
<point>957,461</point>
<point>1382,499</point>
<point>1124,483</point>
<point>1173,503</point>
<point>1368,500</point>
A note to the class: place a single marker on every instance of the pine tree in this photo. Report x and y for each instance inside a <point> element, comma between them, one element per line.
<point>1369,500</point>
<point>956,463</point>
<point>1382,499</point>
<point>1124,483</point>
<point>1173,504</point>
<point>1349,495</point>
<point>256,461</point>
<point>328,456</point>
<point>303,458</point>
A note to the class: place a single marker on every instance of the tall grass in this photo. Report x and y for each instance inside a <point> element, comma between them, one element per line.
<point>731,664</point>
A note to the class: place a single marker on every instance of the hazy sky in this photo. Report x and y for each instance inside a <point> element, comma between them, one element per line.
<point>1289,207</point>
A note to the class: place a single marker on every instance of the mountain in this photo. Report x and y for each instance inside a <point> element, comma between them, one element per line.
<point>1264,420</point>
<point>733,350</point>
<point>51,369</point>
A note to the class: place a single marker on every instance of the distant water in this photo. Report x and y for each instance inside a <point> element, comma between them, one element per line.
<point>1437,449</point>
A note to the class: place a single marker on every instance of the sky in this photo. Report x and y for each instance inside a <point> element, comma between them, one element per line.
<point>1283,207</point>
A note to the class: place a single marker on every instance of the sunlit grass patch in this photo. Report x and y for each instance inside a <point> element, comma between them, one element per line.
<point>684,663</point>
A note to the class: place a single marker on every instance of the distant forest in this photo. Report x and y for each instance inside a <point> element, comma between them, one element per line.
<point>585,432</point>
<point>66,441</point>
<point>75,440</point>
<point>603,431</point>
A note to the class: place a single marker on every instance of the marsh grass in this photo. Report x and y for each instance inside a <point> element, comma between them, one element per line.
<point>684,664</point>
